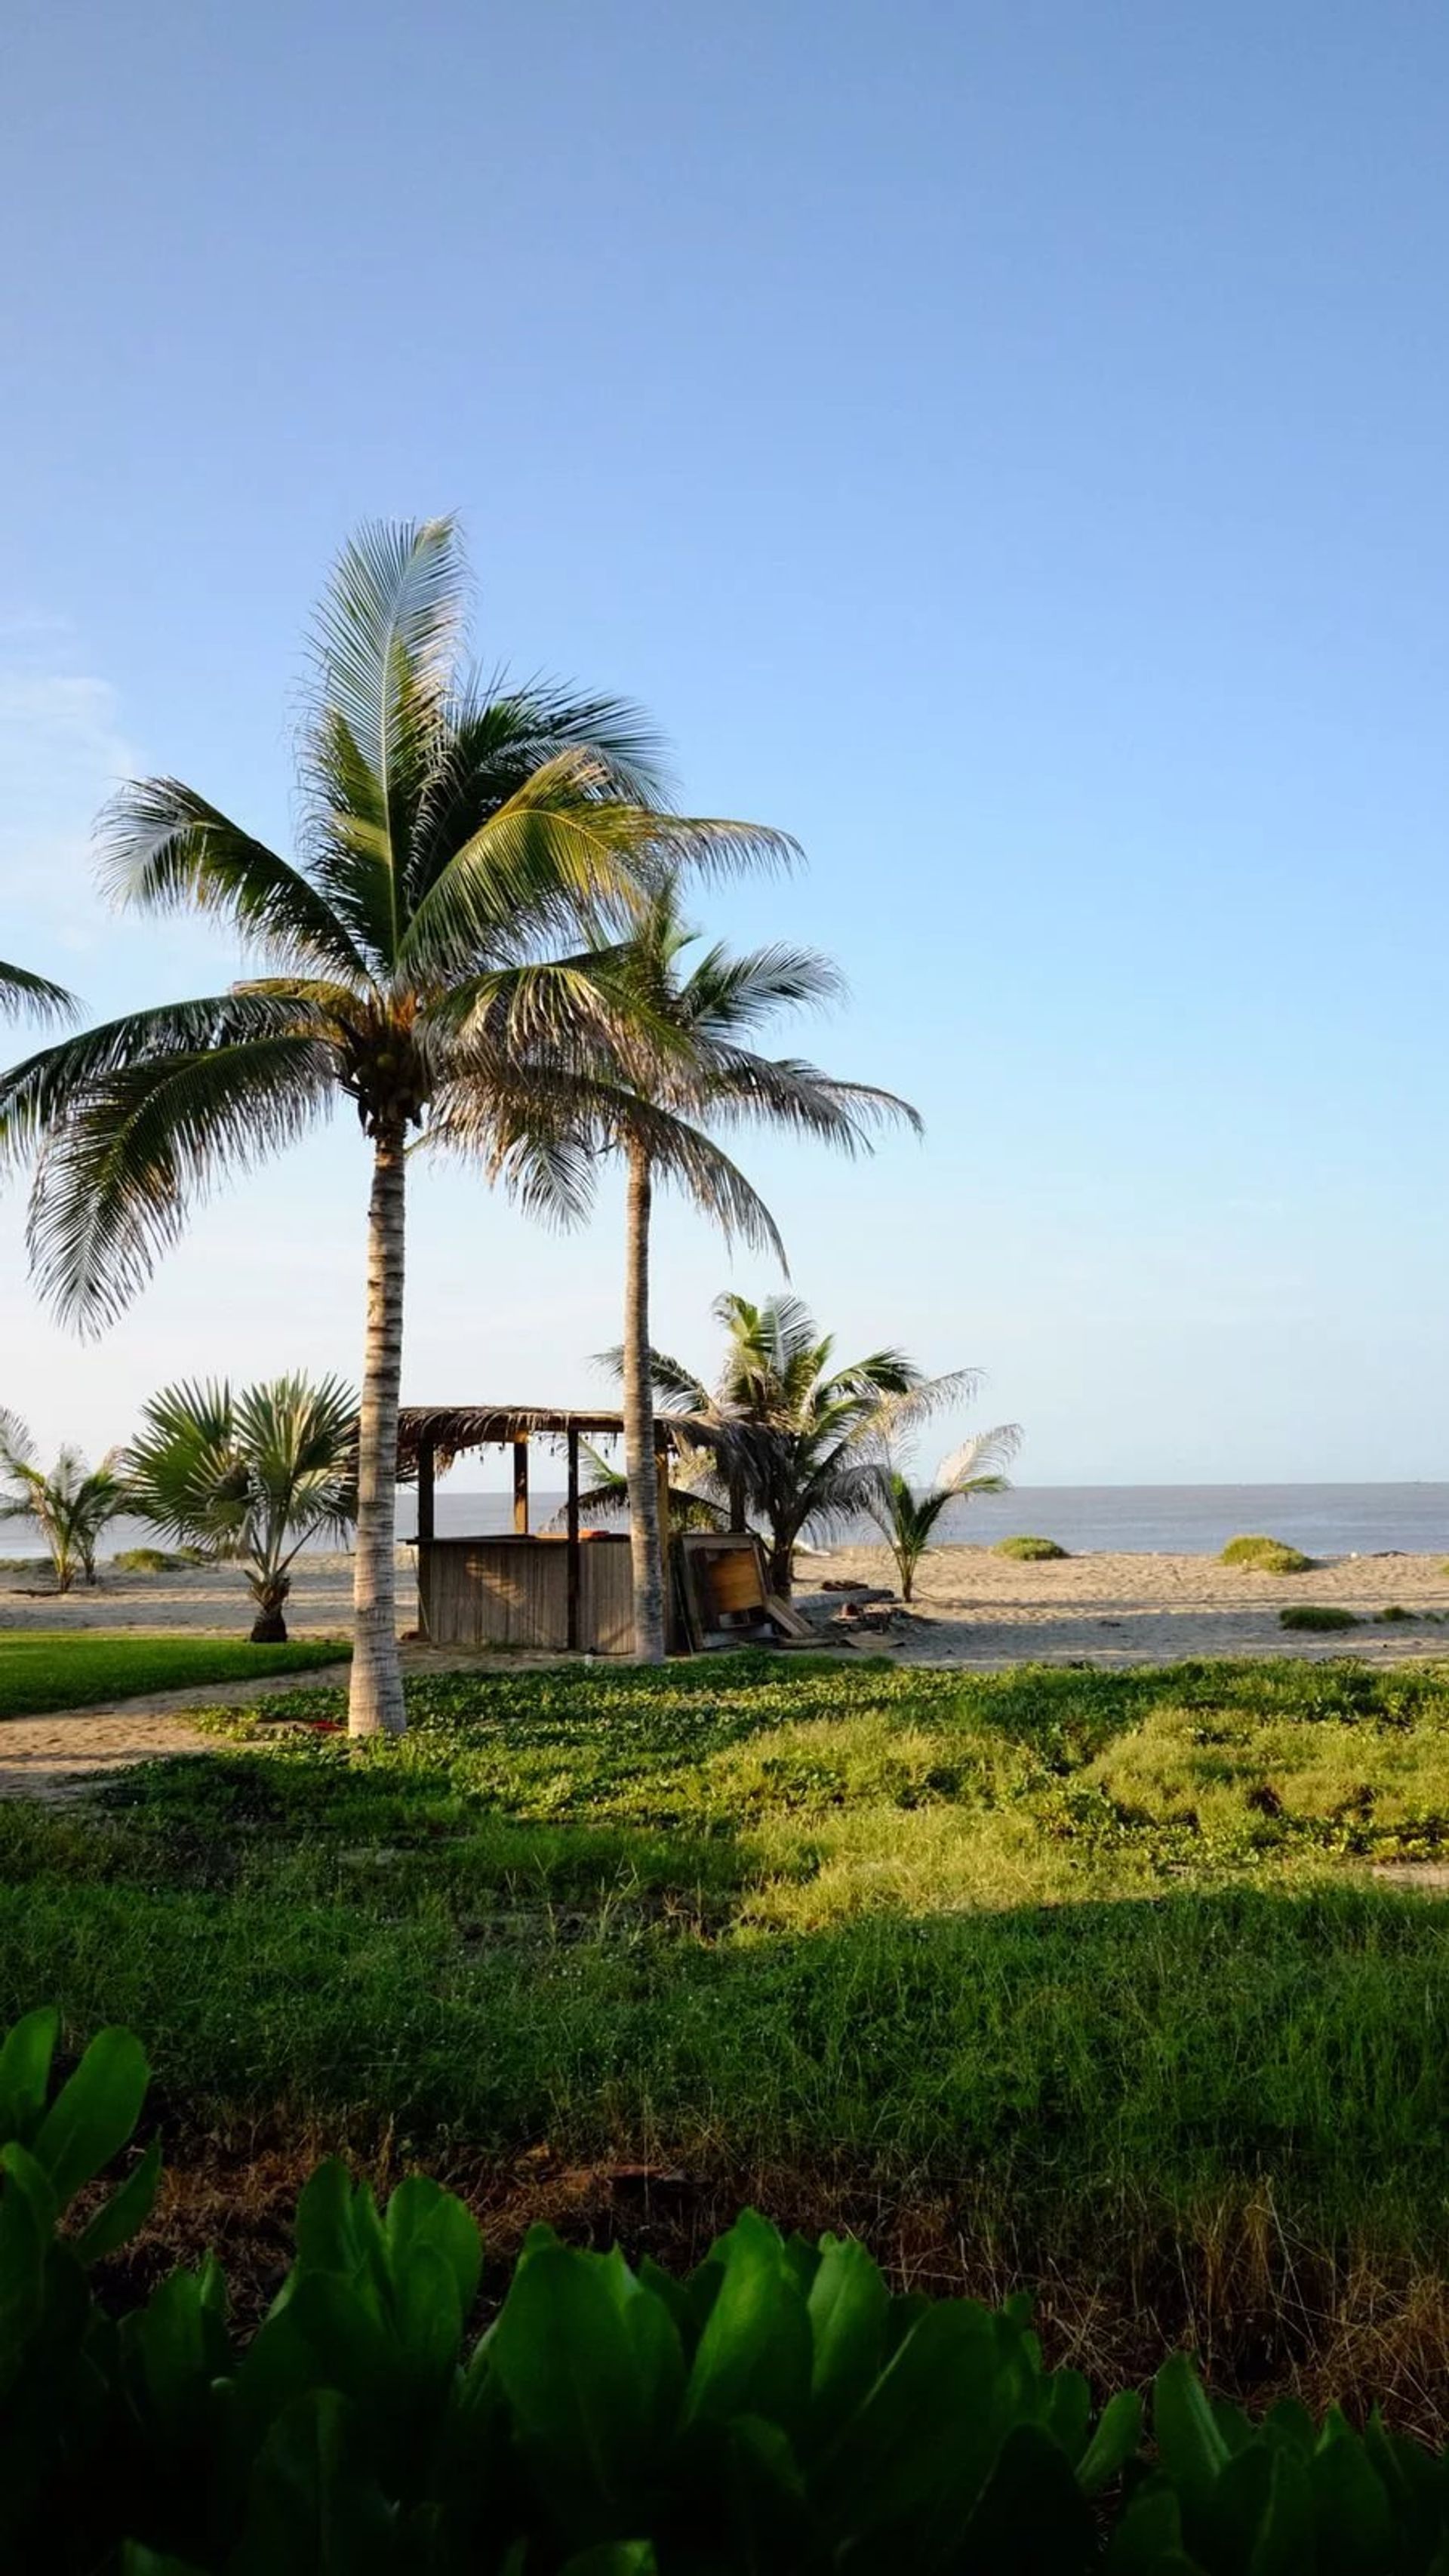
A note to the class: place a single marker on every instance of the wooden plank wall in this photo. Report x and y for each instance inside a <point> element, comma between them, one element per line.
<point>476,1593</point>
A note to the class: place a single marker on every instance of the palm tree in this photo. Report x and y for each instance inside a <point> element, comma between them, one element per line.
<point>454,836</point>
<point>70,1506</point>
<point>799,1441</point>
<point>248,1479</point>
<point>20,990</point>
<point>676,1054</point>
<point>908,1519</point>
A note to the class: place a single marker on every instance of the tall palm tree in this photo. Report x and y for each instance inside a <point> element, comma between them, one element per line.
<point>455,836</point>
<point>800,1440</point>
<point>708,1072</point>
<point>247,1479</point>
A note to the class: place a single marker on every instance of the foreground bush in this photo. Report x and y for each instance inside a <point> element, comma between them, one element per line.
<point>779,2410</point>
<point>1265,1556</point>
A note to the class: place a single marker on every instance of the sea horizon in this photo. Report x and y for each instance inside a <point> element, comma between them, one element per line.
<point>1383,1517</point>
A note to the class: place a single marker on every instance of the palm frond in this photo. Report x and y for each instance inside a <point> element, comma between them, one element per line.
<point>146,1144</point>
<point>386,644</point>
<point>22,990</point>
<point>726,993</point>
<point>163,848</point>
<point>498,738</point>
<point>49,1088</point>
<point>983,1457</point>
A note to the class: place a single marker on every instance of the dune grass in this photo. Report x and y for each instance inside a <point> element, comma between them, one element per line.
<point>1317,1615</point>
<point>1029,1551</point>
<point>1265,1555</point>
<point>45,1670</point>
<point>1034,1970</point>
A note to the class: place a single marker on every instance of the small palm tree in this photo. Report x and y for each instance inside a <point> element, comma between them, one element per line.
<point>455,837</point>
<point>800,1441</point>
<point>70,1506</point>
<point>908,1519</point>
<point>248,1479</point>
<point>674,1060</point>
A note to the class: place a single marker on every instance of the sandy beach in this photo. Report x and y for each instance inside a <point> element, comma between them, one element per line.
<point>971,1607</point>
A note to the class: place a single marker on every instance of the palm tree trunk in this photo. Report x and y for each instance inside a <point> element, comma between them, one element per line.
<point>375,1702</point>
<point>269,1628</point>
<point>781,1561</point>
<point>646,1561</point>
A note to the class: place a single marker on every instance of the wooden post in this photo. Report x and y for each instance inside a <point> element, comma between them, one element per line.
<point>666,1561</point>
<point>575,1553</point>
<point>423,1564</point>
<point>520,1487</point>
<point>737,1502</point>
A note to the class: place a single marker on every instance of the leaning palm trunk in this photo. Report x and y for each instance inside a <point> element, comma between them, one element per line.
<point>645,1551</point>
<point>375,1704</point>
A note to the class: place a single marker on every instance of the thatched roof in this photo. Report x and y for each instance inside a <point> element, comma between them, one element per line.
<point>450,1429</point>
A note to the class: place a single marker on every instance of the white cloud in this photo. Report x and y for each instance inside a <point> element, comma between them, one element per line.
<point>62,752</point>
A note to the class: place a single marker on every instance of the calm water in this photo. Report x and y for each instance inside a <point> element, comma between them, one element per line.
<point>1169,1520</point>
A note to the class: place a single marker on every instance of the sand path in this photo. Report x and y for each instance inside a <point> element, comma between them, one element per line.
<point>60,1756</point>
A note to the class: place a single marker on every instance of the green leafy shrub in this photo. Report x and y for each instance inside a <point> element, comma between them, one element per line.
<point>1395,1616</point>
<point>778,2410</point>
<point>157,1560</point>
<point>1265,1555</point>
<point>1029,1551</point>
<point>1311,1614</point>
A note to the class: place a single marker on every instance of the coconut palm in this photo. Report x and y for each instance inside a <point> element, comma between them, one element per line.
<point>676,1055</point>
<point>248,1479</point>
<point>22,991</point>
<point>70,1505</point>
<point>799,1441</point>
<point>908,1519</point>
<point>454,837</point>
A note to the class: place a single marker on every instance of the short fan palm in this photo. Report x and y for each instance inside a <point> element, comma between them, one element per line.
<point>460,847</point>
<point>248,1479</point>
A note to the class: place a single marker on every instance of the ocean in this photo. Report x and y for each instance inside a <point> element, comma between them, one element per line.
<point>1161,1520</point>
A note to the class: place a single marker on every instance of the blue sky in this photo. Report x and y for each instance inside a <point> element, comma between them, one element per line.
<point>1003,444</point>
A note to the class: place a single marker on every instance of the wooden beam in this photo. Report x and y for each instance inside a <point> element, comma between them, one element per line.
<point>666,1560</point>
<point>737,1502</point>
<point>575,1552</point>
<point>520,1488</point>
<point>427,1458</point>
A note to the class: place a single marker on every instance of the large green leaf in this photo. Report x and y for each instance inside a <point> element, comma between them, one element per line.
<point>25,2061</point>
<point>848,2306</point>
<point>1032,2519</point>
<point>1189,2440</point>
<point>581,2384</point>
<point>128,2208</point>
<point>94,2113</point>
<point>314,2505</point>
<point>754,2356</point>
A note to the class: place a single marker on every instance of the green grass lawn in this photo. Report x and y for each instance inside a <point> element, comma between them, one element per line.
<point>41,1671</point>
<point>1075,1973</point>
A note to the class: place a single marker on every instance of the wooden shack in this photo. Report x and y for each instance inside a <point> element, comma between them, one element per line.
<point>556,1591</point>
